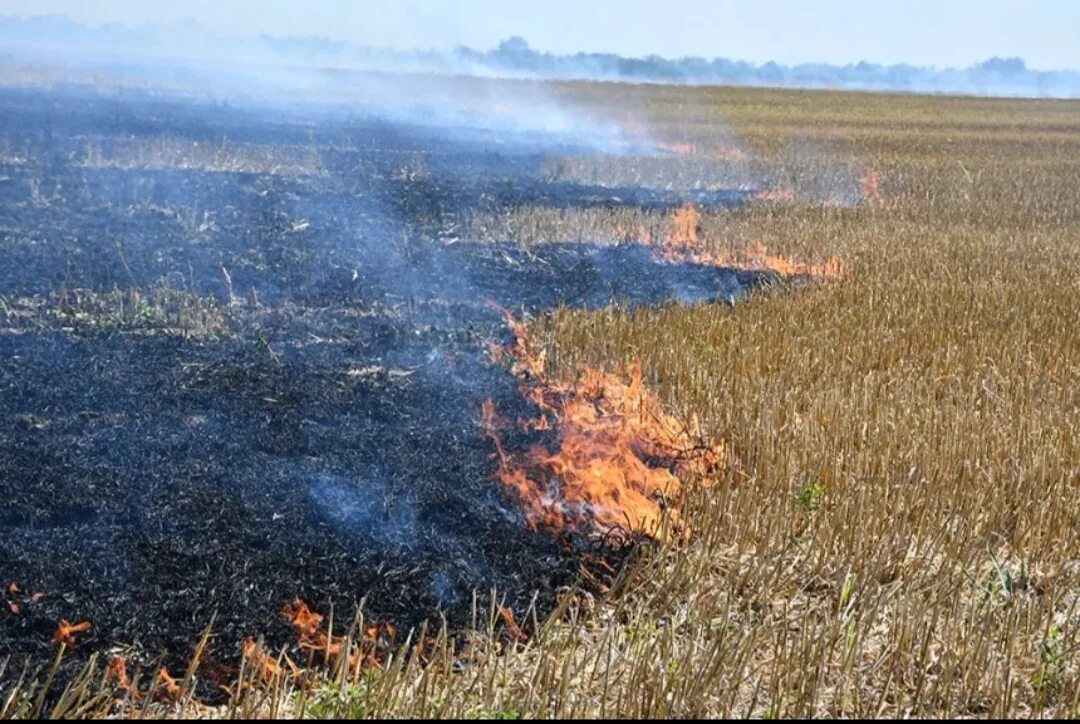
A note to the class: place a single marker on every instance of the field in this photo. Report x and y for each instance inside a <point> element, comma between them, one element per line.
<point>215,322</point>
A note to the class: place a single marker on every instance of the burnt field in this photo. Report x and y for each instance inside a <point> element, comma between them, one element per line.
<point>243,355</point>
<point>255,354</point>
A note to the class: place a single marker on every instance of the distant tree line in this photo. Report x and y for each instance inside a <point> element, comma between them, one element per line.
<point>513,57</point>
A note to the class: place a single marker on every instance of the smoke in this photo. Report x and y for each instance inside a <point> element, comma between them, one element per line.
<point>367,507</point>
<point>425,89</point>
<point>191,55</point>
<point>303,393</point>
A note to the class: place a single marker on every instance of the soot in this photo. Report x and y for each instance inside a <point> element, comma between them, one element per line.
<point>321,438</point>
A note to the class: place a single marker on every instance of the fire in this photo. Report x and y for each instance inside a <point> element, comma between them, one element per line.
<point>870,182</point>
<point>619,458</point>
<point>729,153</point>
<point>266,666</point>
<point>17,600</point>
<point>167,687</point>
<point>779,194</point>
<point>117,672</point>
<point>683,244</point>
<point>512,629</point>
<point>682,149</point>
<point>376,640</point>
<point>753,255</point>
<point>682,235</point>
<point>66,632</point>
<point>637,235</point>
<point>304,620</point>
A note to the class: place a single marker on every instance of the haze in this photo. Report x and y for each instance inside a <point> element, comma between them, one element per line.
<point>1046,33</point>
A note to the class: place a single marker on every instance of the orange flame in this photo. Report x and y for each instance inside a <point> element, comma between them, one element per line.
<point>684,148</point>
<point>779,194</point>
<point>512,629</point>
<point>680,148</point>
<point>167,687</point>
<point>682,235</point>
<point>376,640</point>
<point>14,594</point>
<point>871,186</point>
<point>266,666</point>
<point>619,454</point>
<point>66,632</point>
<point>683,244</point>
<point>637,235</point>
<point>117,672</point>
<point>729,153</point>
<point>620,457</point>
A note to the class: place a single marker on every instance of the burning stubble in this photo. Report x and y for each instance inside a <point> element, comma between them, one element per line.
<point>289,365</point>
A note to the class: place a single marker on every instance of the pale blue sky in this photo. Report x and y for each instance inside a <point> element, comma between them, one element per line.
<point>1046,33</point>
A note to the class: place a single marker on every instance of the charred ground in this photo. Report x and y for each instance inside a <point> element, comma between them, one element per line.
<point>234,376</point>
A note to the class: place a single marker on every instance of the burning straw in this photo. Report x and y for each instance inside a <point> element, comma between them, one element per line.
<point>619,459</point>
<point>682,244</point>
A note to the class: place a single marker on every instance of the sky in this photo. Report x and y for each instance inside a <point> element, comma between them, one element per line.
<point>953,33</point>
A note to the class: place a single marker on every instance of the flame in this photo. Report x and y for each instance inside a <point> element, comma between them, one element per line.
<point>682,234</point>
<point>729,153</point>
<point>779,194</point>
<point>117,672</point>
<point>304,620</point>
<point>166,686</point>
<point>684,148</point>
<point>512,629</point>
<point>66,632</point>
<point>266,666</point>
<point>377,638</point>
<point>870,181</point>
<point>637,235</point>
<point>682,244</point>
<point>14,594</point>
<point>680,148</point>
<point>618,457</point>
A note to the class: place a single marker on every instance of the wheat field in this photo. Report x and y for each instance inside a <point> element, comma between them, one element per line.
<point>899,532</point>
